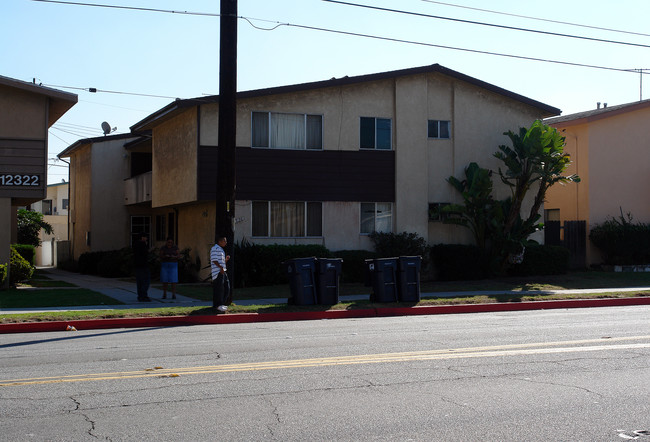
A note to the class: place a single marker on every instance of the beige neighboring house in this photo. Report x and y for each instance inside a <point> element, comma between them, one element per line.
<point>610,151</point>
<point>98,217</point>
<point>55,212</point>
<point>326,162</point>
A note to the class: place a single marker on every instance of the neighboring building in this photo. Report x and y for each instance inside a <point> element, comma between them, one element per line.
<point>55,212</point>
<point>27,111</point>
<point>609,151</point>
<point>98,217</point>
<point>325,162</point>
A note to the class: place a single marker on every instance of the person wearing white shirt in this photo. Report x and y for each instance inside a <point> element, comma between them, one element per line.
<point>220,282</point>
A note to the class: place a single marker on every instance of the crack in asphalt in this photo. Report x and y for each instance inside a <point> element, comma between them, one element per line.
<point>86,417</point>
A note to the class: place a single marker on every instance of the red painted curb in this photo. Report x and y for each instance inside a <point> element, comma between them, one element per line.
<point>242,318</point>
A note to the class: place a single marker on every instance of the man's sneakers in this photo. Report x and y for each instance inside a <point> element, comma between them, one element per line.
<point>222,309</point>
<point>147,299</point>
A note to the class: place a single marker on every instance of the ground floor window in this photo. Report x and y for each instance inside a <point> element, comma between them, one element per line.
<point>140,225</point>
<point>376,217</point>
<point>280,219</point>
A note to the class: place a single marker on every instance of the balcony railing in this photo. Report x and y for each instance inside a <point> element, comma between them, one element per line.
<point>137,189</point>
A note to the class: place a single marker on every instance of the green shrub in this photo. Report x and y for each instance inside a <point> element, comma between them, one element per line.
<point>20,270</point>
<point>542,260</point>
<point>259,265</point>
<point>458,262</point>
<point>88,262</point>
<point>27,251</point>
<point>621,241</point>
<point>3,274</point>
<point>354,263</point>
<point>388,245</point>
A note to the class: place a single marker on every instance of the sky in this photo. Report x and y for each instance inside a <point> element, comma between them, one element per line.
<point>131,55</point>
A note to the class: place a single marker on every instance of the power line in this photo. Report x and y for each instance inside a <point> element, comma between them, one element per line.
<point>129,7</point>
<point>278,24</point>
<point>537,18</point>
<point>419,14</point>
<point>95,90</point>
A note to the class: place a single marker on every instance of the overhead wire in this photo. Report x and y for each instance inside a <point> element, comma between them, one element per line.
<point>513,28</point>
<point>277,24</point>
<point>547,20</point>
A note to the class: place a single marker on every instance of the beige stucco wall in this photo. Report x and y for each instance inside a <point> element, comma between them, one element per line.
<point>28,116</point>
<point>196,230</point>
<point>610,155</point>
<point>174,160</point>
<point>110,219</point>
<point>80,199</point>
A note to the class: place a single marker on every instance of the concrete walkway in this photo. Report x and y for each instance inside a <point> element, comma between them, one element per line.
<point>125,291</point>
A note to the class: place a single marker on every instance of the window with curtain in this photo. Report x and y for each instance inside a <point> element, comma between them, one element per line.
<point>287,219</point>
<point>276,130</point>
<point>375,133</point>
<point>376,217</point>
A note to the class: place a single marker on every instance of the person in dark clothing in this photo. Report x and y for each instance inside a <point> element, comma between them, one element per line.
<point>141,264</point>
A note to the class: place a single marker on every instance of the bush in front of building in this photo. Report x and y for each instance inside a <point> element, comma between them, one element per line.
<point>258,265</point>
<point>27,251</point>
<point>459,261</point>
<point>542,260</point>
<point>119,264</point>
<point>109,263</point>
<point>354,263</point>
<point>3,274</point>
<point>388,245</point>
<point>20,270</point>
<point>621,241</point>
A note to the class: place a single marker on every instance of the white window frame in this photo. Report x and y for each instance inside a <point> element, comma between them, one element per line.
<point>306,137</point>
<point>438,123</point>
<point>390,229</point>
<point>390,138</point>
<point>305,219</point>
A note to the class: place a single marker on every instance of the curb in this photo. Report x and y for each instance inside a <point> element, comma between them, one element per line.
<point>244,318</point>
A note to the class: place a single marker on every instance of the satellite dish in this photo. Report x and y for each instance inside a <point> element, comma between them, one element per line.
<point>106,128</point>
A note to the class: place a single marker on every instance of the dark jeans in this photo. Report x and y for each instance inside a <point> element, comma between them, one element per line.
<point>143,279</point>
<point>221,290</point>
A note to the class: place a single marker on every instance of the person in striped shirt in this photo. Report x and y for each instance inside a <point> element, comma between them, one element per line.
<point>220,282</point>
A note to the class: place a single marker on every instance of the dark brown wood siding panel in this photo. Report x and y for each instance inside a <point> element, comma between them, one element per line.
<point>24,158</point>
<point>290,175</point>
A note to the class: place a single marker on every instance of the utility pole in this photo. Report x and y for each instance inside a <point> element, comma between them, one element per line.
<point>225,200</point>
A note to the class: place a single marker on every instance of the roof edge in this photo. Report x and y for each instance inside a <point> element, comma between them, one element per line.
<point>179,104</point>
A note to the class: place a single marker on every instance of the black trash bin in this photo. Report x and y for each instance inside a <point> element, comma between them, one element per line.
<point>409,278</point>
<point>302,283</point>
<point>383,275</point>
<point>328,275</point>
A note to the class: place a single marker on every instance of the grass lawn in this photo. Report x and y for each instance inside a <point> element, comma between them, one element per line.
<point>21,298</point>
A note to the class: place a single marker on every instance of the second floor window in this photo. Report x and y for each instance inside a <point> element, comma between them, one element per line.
<point>276,130</point>
<point>375,133</point>
<point>439,129</point>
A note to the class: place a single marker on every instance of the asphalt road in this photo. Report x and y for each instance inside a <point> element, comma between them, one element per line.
<point>570,375</point>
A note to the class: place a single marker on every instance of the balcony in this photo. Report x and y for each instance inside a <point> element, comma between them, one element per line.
<point>137,189</point>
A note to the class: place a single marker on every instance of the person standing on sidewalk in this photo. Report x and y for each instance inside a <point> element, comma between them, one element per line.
<point>220,282</point>
<point>141,265</point>
<point>169,256</point>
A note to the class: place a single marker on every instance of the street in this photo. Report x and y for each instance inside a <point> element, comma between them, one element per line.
<point>578,375</point>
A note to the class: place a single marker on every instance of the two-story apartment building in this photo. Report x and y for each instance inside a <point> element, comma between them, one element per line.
<point>326,162</point>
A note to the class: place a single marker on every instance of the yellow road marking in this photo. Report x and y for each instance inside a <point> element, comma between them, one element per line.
<point>577,346</point>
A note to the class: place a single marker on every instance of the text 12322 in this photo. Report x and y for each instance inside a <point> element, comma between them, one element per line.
<point>7,179</point>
